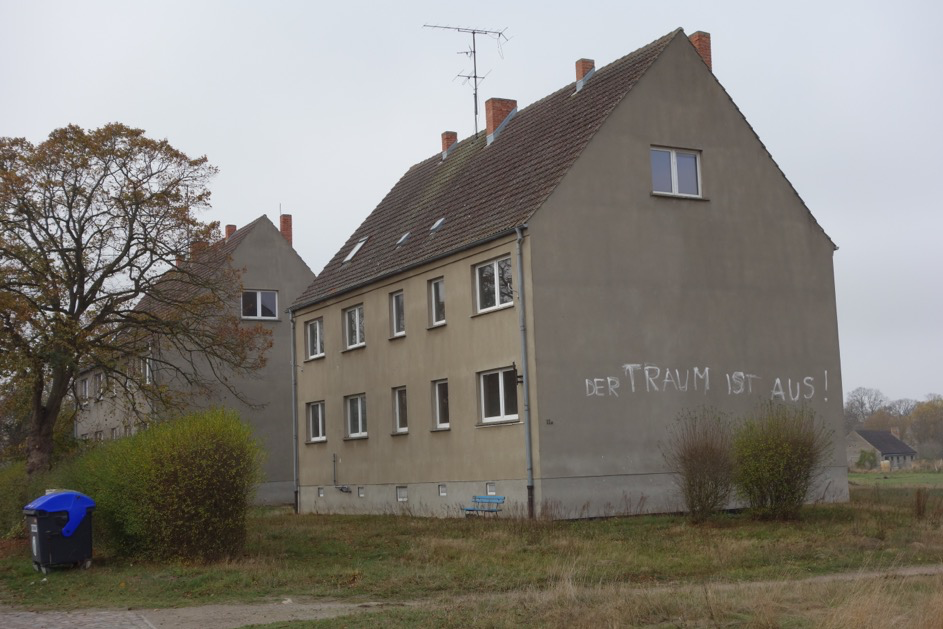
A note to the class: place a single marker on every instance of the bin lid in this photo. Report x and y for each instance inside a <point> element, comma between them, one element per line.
<point>74,503</point>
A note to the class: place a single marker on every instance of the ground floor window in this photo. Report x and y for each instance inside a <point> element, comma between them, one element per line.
<point>356,415</point>
<point>498,395</point>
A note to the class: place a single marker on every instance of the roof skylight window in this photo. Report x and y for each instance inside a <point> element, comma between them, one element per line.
<point>354,251</point>
<point>402,239</point>
<point>437,225</point>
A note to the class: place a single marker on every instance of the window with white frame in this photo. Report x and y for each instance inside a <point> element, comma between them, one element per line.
<point>99,436</point>
<point>83,389</point>
<point>443,490</point>
<point>398,313</point>
<point>356,409</point>
<point>490,489</point>
<point>494,285</point>
<point>440,403</point>
<point>316,422</point>
<point>127,430</point>
<point>99,385</point>
<point>353,327</point>
<point>147,369</point>
<point>259,304</point>
<point>314,333</point>
<point>675,171</point>
<point>114,433</point>
<point>401,495</point>
<point>498,395</point>
<point>361,492</point>
<point>400,417</point>
<point>437,301</point>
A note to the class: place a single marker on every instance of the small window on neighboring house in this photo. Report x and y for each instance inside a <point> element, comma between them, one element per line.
<point>356,415</point>
<point>356,248</point>
<point>316,422</point>
<point>498,395</point>
<point>440,402</point>
<point>401,495</point>
<point>361,492</point>
<point>259,304</point>
<point>676,172</point>
<point>84,437</point>
<point>353,327</point>
<point>443,490</point>
<point>83,389</point>
<point>127,430</point>
<point>147,369</point>
<point>314,330</point>
<point>490,489</point>
<point>114,433</point>
<point>320,492</point>
<point>398,313</point>
<point>437,302</point>
<point>99,387</point>
<point>99,436</point>
<point>494,285</point>
<point>400,417</point>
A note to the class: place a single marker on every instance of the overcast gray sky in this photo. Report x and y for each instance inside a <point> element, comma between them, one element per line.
<point>319,108</point>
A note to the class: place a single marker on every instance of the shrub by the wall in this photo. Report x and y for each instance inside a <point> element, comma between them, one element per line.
<point>699,450</point>
<point>180,489</point>
<point>779,451</point>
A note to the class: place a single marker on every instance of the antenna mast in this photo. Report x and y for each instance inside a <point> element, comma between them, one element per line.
<point>473,53</point>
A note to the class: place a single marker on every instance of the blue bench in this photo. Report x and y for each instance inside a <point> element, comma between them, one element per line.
<point>484,504</point>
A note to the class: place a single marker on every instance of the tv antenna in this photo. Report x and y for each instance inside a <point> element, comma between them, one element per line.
<point>472,52</point>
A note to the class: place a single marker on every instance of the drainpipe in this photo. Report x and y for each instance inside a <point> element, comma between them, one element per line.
<point>522,319</point>
<point>294,415</point>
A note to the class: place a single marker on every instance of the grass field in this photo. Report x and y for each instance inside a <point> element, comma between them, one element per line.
<point>541,573</point>
<point>897,479</point>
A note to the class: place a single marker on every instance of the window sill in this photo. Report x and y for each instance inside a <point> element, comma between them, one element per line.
<point>399,433</point>
<point>670,195</point>
<point>313,441</point>
<point>499,422</point>
<point>313,358</point>
<point>441,429</point>
<point>273,319</point>
<point>356,438</point>
<point>396,337</point>
<point>494,309</point>
<point>436,325</point>
<point>353,348</point>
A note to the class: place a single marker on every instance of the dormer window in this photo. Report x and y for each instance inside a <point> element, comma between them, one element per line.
<point>402,239</point>
<point>353,252</point>
<point>436,225</point>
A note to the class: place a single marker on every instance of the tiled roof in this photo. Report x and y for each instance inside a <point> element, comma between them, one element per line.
<point>885,442</point>
<point>482,191</point>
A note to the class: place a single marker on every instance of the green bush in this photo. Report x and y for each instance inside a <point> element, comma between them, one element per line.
<point>180,489</point>
<point>700,453</point>
<point>867,460</point>
<point>778,453</point>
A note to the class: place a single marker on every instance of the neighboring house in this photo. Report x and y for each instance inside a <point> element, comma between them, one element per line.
<point>273,275</point>
<point>884,444</point>
<point>527,312</point>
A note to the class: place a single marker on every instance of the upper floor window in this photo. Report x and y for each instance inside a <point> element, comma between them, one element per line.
<point>99,380</point>
<point>314,332</point>
<point>398,313</point>
<point>259,304</point>
<point>437,301</point>
<point>498,395</point>
<point>83,389</point>
<point>316,422</point>
<point>356,415</point>
<point>494,285</point>
<point>675,171</point>
<point>353,327</point>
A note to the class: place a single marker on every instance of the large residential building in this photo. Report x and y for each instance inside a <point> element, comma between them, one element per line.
<point>272,276</point>
<point>527,312</point>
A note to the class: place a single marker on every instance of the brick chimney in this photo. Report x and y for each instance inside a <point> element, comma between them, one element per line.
<point>448,139</point>
<point>285,226</point>
<point>497,110</point>
<point>230,230</point>
<point>702,43</point>
<point>584,67</point>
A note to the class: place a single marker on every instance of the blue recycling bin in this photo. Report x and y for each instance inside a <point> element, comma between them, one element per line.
<point>60,530</point>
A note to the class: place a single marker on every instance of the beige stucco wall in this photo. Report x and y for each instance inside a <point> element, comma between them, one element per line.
<point>741,281</point>
<point>467,455</point>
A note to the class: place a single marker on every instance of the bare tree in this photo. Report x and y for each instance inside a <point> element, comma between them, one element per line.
<point>93,226</point>
<point>860,404</point>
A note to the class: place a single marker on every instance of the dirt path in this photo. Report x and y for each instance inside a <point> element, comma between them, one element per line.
<point>241,615</point>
